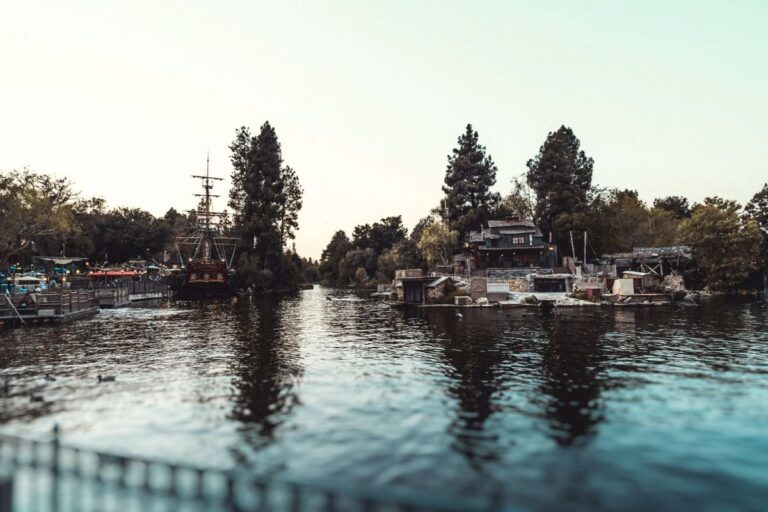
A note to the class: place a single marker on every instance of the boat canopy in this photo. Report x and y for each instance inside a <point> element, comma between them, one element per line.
<point>113,273</point>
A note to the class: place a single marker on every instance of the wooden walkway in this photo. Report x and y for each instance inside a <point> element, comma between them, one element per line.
<point>47,307</point>
<point>131,291</point>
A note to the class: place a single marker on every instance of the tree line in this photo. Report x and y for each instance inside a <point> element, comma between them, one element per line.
<point>43,215</point>
<point>728,241</point>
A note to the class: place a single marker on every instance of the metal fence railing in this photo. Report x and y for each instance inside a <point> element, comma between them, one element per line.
<point>48,476</point>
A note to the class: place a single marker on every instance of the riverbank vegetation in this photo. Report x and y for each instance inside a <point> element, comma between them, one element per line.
<point>728,241</point>
<point>43,215</point>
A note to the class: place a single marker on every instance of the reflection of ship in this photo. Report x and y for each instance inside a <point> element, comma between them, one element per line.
<point>208,271</point>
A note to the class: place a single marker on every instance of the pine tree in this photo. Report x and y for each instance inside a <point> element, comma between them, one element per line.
<point>757,209</point>
<point>265,199</point>
<point>470,174</point>
<point>561,176</point>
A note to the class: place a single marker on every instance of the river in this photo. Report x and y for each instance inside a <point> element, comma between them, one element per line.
<point>621,409</point>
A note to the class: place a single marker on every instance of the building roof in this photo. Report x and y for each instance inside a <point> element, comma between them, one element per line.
<point>505,227</point>
<point>501,223</point>
<point>56,260</point>
<point>653,252</point>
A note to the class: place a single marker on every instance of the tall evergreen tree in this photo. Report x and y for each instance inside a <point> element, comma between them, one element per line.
<point>470,174</point>
<point>757,209</point>
<point>561,176</point>
<point>265,199</point>
<point>292,193</point>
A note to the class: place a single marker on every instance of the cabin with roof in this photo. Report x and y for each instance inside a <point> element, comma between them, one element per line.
<point>510,243</point>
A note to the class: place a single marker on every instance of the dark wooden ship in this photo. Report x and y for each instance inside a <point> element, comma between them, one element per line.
<point>208,272</point>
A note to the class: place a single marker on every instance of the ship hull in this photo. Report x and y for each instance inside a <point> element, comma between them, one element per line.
<point>205,280</point>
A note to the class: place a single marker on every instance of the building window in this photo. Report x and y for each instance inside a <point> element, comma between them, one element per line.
<point>518,240</point>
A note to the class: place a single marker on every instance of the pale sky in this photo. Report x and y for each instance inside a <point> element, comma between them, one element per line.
<point>368,98</point>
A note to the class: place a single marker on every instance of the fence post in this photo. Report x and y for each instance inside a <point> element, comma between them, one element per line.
<point>6,493</point>
<point>55,469</point>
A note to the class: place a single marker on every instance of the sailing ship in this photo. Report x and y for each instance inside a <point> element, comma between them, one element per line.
<point>208,272</point>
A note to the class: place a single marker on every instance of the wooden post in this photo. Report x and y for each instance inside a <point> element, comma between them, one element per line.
<point>573,248</point>
<point>6,493</point>
<point>765,282</point>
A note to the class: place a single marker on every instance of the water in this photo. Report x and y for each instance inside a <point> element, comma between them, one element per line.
<point>626,409</point>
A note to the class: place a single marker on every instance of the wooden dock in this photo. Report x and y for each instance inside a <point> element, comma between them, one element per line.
<point>148,290</point>
<point>47,307</point>
<point>131,291</point>
<point>112,297</point>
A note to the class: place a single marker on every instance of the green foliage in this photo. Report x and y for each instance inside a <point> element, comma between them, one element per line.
<point>617,221</point>
<point>361,276</point>
<point>292,198</point>
<point>353,261</point>
<point>378,250</point>
<point>520,202</point>
<point>560,176</point>
<point>724,243</point>
<point>404,254</point>
<point>381,235</point>
<point>757,209</point>
<point>628,222</point>
<point>309,268</point>
<point>677,206</point>
<point>330,260</point>
<point>127,233</point>
<point>470,174</point>
<point>33,207</point>
<point>265,199</point>
<point>437,243</point>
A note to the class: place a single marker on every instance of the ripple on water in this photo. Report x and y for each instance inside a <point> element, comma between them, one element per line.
<point>620,409</point>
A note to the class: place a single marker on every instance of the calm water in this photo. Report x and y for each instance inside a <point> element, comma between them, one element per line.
<point>611,409</point>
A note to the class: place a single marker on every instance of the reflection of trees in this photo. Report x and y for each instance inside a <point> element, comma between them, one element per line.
<point>573,362</point>
<point>267,367</point>
<point>471,349</point>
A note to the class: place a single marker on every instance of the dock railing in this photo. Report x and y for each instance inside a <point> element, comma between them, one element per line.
<point>51,476</point>
<point>50,303</point>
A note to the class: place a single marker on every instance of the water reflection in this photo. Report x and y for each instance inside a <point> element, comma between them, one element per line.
<point>573,364</point>
<point>474,356</point>
<point>619,408</point>
<point>267,366</point>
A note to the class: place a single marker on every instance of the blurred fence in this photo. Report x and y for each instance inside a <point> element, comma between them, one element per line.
<point>48,476</point>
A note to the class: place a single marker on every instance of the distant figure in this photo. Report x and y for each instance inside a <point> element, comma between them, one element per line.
<point>108,378</point>
<point>49,377</point>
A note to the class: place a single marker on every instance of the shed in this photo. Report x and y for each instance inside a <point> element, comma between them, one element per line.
<point>624,287</point>
<point>641,279</point>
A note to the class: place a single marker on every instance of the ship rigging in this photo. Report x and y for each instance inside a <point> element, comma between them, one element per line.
<point>209,255</point>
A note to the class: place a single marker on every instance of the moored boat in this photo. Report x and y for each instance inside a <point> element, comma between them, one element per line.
<point>208,271</point>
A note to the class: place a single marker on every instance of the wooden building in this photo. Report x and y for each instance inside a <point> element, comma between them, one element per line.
<point>509,243</point>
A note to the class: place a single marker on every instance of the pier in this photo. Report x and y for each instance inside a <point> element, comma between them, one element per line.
<point>46,307</point>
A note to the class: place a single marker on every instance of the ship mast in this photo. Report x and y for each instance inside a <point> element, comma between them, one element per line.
<point>207,243</point>
<point>205,214</point>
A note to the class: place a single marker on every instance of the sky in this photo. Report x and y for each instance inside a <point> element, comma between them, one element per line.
<point>369,98</point>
